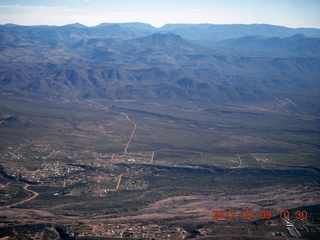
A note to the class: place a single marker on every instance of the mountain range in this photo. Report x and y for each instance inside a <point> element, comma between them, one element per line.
<point>201,62</point>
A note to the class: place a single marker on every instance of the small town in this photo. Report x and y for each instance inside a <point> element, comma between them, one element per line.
<point>127,230</point>
<point>92,174</point>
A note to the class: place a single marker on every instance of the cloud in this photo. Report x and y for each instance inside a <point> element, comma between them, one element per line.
<point>195,10</point>
<point>35,15</point>
<point>20,8</point>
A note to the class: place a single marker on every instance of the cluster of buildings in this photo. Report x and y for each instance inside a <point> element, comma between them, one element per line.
<point>129,230</point>
<point>291,228</point>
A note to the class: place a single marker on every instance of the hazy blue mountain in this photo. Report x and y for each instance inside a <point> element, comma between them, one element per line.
<point>210,32</point>
<point>202,33</point>
<point>137,61</point>
<point>296,45</point>
<point>131,25</point>
<point>76,25</point>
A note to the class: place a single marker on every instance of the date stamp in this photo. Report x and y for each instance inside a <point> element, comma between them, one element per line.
<point>250,215</point>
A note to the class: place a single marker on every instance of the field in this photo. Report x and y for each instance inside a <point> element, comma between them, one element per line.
<point>136,164</point>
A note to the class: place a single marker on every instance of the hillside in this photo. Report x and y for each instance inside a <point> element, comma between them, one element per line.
<point>137,61</point>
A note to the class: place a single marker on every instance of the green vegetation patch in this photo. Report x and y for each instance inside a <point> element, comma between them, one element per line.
<point>312,159</point>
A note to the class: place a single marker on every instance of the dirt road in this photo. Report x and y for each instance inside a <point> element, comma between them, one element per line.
<point>240,162</point>
<point>132,134</point>
<point>119,181</point>
<point>35,194</point>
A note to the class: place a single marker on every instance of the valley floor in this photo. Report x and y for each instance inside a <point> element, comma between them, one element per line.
<point>153,170</point>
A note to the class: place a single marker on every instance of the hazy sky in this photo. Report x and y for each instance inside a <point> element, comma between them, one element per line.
<point>290,13</point>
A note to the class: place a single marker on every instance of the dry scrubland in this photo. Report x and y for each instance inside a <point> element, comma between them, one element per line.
<point>65,170</point>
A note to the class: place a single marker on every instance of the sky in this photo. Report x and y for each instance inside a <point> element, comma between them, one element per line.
<point>289,13</point>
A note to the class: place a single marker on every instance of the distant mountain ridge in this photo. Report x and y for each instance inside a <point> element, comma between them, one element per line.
<point>213,32</point>
<point>193,32</point>
<point>138,61</point>
<point>297,44</point>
